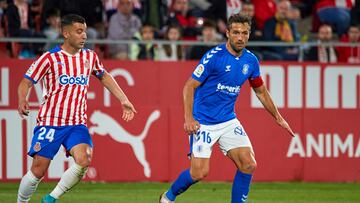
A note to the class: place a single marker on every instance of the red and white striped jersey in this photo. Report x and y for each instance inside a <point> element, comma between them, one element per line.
<point>65,80</point>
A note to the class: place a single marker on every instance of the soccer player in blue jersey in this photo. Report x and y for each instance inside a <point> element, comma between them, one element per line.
<point>209,103</point>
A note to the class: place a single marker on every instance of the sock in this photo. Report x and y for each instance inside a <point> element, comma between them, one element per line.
<point>27,187</point>
<point>181,184</point>
<point>240,187</point>
<point>68,180</point>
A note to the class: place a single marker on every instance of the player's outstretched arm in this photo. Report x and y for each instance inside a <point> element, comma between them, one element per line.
<point>191,126</point>
<point>128,109</point>
<point>23,91</point>
<point>263,95</point>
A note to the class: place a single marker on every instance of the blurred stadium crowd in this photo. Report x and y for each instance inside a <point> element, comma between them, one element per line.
<point>320,21</point>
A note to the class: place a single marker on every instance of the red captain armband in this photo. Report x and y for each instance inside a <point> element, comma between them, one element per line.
<point>256,82</point>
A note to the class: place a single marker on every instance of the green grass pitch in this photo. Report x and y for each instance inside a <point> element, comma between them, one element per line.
<point>206,192</point>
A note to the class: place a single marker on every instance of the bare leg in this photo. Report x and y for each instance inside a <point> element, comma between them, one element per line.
<point>82,154</point>
<point>32,178</point>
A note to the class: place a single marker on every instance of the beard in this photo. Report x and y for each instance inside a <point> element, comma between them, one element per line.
<point>238,51</point>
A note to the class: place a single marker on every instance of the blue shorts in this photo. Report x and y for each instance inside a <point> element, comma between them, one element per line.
<point>47,140</point>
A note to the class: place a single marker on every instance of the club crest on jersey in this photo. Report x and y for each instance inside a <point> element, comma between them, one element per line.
<point>87,64</point>
<point>199,70</point>
<point>37,147</point>
<point>245,69</point>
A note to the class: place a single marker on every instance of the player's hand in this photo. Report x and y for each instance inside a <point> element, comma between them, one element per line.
<point>128,110</point>
<point>191,126</point>
<point>282,122</point>
<point>23,108</point>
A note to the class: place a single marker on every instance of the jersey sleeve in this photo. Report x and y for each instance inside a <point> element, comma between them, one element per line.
<point>38,68</point>
<point>98,69</point>
<point>204,68</point>
<point>255,79</point>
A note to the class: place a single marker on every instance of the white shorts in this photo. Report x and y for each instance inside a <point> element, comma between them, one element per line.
<point>230,135</point>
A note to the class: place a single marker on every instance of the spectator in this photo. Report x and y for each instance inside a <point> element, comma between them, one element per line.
<point>323,53</point>
<point>53,30</point>
<point>249,9</point>
<point>110,7</point>
<point>154,12</point>
<point>144,51</point>
<point>335,13</point>
<point>122,26</point>
<point>181,16</point>
<point>217,12</point>
<point>35,13</point>
<point>91,10</point>
<point>355,13</point>
<point>208,35</point>
<point>23,9</point>
<point>171,52</point>
<point>255,33</point>
<point>265,9</point>
<point>3,30</point>
<point>14,27</point>
<point>280,28</point>
<point>350,54</point>
<point>233,7</point>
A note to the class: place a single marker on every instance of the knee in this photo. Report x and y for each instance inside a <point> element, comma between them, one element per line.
<point>38,171</point>
<point>199,174</point>
<point>249,167</point>
<point>83,159</point>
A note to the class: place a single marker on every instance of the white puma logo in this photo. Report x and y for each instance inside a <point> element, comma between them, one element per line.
<point>106,125</point>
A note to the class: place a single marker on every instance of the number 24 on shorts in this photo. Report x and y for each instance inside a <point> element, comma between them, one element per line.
<point>49,135</point>
<point>204,135</point>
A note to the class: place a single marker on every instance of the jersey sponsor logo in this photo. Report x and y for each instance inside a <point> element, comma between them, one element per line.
<point>245,69</point>
<point>227,68</point>
<point>71,80</point>
<point>228,89</point>
<point>199,70</point>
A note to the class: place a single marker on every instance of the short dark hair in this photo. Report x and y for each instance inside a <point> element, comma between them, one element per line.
<point>238,18</point>
<point>54,12</point>
<point>70,19</point>
<point>209,23</point>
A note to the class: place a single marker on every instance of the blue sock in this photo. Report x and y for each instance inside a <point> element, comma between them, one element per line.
<point>181,184</point>
<point>240,187</point>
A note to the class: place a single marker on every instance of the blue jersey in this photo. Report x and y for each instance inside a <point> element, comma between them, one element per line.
<point>221,75</point>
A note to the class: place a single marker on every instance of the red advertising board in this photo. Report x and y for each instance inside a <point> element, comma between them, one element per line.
<point>320,101</point>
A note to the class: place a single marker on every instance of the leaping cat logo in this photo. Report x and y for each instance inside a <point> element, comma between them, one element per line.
<point>106,125</point>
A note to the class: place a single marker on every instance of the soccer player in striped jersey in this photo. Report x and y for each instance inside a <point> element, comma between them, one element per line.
<point>209,103</point>
<point>65,73</point>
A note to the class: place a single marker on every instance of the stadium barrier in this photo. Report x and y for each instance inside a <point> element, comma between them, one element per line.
<point>15,44</point>
<point>320,101</point>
